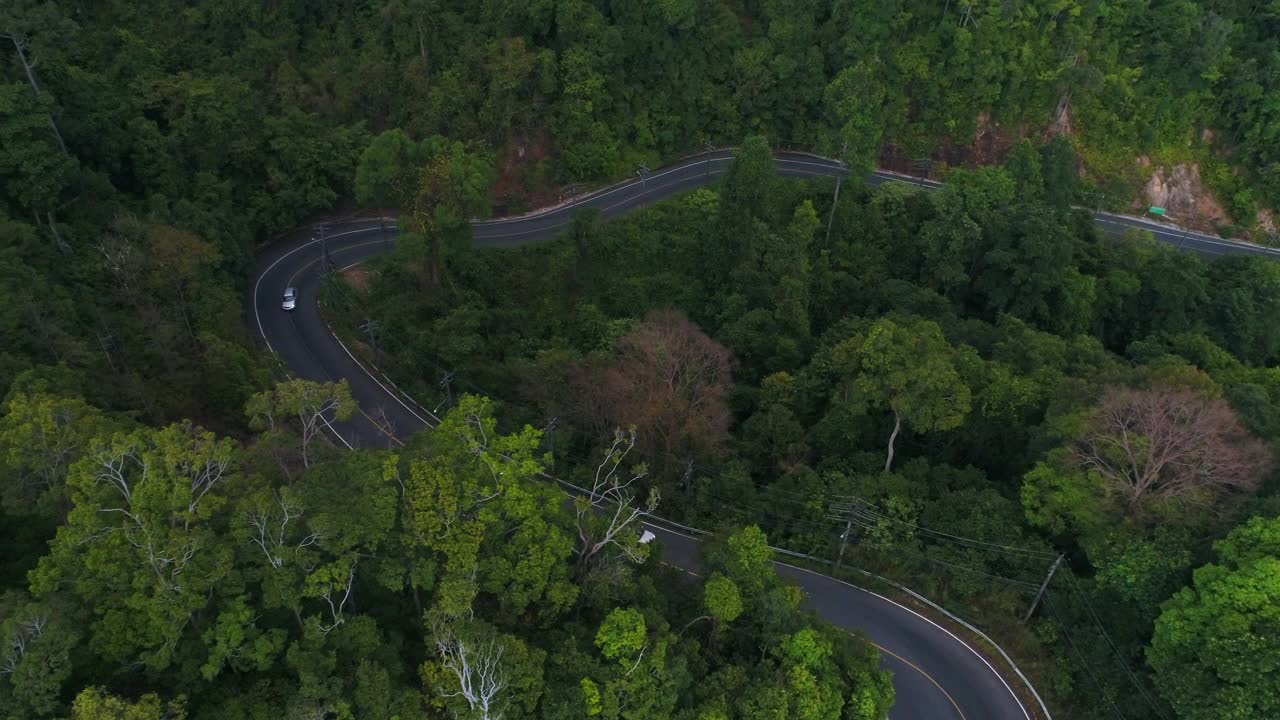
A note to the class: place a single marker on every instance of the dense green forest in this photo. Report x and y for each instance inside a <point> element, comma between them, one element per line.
<point>128,129</point>
<point>969,382</point>
<point>195,577</point>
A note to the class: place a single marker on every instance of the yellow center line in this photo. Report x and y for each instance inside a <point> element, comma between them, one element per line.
<point>913,666</point>
<point>677,567</point>
<point>298,272</point>
<point>879,647</point>
<point>378,427</point>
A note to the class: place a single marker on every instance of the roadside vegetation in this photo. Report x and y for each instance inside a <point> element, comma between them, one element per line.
<point>952,389</point>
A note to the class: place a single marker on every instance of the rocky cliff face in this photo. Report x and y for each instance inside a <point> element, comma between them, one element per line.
<point>1180,190</point>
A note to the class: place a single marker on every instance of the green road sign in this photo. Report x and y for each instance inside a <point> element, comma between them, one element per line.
<point>1156,210</point>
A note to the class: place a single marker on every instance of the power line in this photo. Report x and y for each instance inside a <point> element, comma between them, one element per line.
<point>827,528</point>
<point>776,521</point>
<point>1115,651</point>
<point>1084,664</point>
<point>765,515</point>
<point>939,535</point>
<point>898,548</point>
<point>866,509</point>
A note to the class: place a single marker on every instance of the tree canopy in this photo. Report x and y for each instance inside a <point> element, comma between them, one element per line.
<point>955,389</point>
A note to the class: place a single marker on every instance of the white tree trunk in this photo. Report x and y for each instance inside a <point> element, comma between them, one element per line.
<point>478,669</point>
<point>607,489</point>
<point>897,426</point>
<point>834,201</point>
<point>20,45</point>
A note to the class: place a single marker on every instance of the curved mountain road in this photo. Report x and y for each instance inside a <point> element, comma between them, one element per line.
<point>938,676</point>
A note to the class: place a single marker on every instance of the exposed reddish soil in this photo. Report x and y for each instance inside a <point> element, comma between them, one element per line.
<point>1268,223</point>
<point>1180,190</point>
<point>990,145</point>
<point>357,277</point>
<point>515,163</point>
<point>1061,124</point>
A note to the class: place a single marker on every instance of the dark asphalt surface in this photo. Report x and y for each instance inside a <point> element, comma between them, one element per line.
<point>936,675</point>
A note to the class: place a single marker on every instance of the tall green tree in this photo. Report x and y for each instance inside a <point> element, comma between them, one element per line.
<point>98,704</point>
<point>37,661</point>
<point>44,435</point>
<point>386,175</point>
<point>304,402</point>
<point>909,369</point>
<point>144,540</point>
<point>476,507</point>
<point>1213,649</point>
<point>744,201</point>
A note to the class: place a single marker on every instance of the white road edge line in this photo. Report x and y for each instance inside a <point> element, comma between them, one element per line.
<point>257,283</point>
<point>1122,220</point>
<point>648,525</point>
<point>1137,224</point>
<point>659,528</point>
<point>688,164</point>
<point>605,192</point>
<point>966,645</point>
<point>257,316</point>
<point>639,197</point>
<point>342,249</point>
<point>385,389</point>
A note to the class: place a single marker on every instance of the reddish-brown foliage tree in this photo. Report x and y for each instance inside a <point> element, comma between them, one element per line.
<point>1160,445</point>
<point>672,382</point>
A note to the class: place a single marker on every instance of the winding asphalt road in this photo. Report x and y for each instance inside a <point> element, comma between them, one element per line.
<point>937,675</point>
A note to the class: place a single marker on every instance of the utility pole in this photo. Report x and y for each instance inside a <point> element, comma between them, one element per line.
<point>572,191</point>
<point>836,199</point>
<point>831,218</point>
<point>687,481</point>
<point>844,511</point>
<point>643,173</point>
<point>549,433</point>
<point>1043,586</point>
<point>370,326</point>
<point>326,263</point>
<point>106,341</point>
<point>922,166</point>
<point>446,384</point>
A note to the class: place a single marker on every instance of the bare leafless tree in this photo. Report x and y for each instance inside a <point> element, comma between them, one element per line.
<point>121,259</point>
<point>477,667</point>
<point>1160,445</point>
<point>23,635</point>
<point>271,533</point>
<point>612,506</point>
<point>671,381</point>
<point>385,425</point>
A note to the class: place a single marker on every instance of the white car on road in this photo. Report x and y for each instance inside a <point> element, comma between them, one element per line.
<point>290,298</point>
